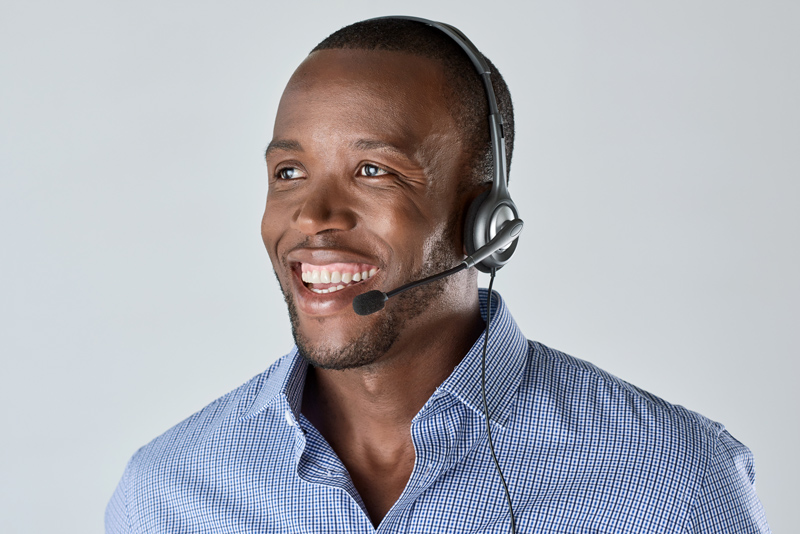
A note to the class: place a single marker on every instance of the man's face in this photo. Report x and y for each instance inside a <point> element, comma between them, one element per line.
<point>364,169</point>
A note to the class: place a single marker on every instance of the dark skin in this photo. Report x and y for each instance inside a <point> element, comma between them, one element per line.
<point>365,166</point>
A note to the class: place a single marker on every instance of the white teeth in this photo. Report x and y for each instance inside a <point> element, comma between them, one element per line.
<point>341,279</point>
<point>329,290</point>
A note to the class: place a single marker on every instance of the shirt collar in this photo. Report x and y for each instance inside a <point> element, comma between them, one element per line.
<point>506,355</point>
<point>505,362</point>
<point>286,380</point>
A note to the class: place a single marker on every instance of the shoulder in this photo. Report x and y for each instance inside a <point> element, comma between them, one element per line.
<point>202,425</point>
<point>685,465</point>
<point>726,500</point>
<point>159,475</point>
<point>559,377</point>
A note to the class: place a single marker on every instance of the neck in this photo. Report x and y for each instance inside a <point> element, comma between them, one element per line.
<point>365,413</point>
<point>383,397</point>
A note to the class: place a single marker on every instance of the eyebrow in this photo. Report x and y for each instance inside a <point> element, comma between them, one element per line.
<point>282,144</point>
<point>361,144</point>
<point>374,144</point>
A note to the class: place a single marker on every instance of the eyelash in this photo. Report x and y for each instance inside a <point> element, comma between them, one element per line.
<point>279,173</point>
<point>381,172</point>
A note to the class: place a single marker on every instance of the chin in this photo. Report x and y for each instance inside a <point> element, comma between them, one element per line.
<point>373,337</point>
<point>338,352</point>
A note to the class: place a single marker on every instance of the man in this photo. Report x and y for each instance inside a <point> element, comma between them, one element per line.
<point>378,422</point>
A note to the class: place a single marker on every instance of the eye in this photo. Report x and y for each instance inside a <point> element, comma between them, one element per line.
<point>371,170</point>
<point>288,173</point>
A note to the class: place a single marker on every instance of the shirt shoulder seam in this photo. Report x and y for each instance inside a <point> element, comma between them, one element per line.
<point>703,481</point>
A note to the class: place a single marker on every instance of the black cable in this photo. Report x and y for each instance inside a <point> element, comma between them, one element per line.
<point>486,404</point>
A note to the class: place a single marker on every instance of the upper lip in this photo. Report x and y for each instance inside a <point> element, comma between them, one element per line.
<point>327,255</point>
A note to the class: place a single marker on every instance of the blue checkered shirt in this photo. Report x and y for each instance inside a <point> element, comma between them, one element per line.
<point>581,450</point>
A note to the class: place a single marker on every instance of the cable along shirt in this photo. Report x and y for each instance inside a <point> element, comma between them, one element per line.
<point>581,450</point>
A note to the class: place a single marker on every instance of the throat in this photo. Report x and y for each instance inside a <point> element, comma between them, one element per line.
<point>378,458</point>
<point>381,484</point>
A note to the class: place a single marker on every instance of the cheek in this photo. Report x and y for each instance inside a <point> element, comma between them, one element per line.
<point>443,243</point>
<point>417,236</point>
<point>265,228</point>
<point>270,231</point>
<point>402,224</point>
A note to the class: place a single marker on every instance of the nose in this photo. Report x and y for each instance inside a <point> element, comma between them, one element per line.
<point>324,208</point>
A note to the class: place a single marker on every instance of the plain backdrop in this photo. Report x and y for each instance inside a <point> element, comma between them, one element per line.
<point>656,168</point>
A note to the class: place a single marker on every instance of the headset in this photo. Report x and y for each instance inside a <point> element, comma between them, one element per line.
<point>491,225</point>
<point>492,209</point>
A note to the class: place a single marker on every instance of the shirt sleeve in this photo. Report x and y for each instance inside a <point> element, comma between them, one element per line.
<point>727,501</point>
<point>116,519</point>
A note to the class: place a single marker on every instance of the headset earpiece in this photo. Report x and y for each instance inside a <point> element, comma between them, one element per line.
<point>485,217</point>
<point>469,222</point>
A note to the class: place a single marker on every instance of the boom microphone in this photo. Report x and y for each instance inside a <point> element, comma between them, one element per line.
<point>372,301</point>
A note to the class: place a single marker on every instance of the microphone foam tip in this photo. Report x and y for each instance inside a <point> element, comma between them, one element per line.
<point>369,302</point>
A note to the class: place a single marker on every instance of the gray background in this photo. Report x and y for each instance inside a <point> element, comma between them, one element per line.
<point>656,168</point>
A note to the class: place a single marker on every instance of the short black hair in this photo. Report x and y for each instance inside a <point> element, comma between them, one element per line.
<point>469,106</point>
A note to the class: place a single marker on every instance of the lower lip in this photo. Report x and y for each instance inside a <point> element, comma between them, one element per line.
<point>321,304</point>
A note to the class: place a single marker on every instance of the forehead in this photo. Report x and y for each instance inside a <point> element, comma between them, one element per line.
<point>360,92</point>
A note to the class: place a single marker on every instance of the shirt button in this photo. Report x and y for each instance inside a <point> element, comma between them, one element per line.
<point>289,417</point>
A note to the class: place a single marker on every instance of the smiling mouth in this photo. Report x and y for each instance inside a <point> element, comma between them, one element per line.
<point>335,276</point>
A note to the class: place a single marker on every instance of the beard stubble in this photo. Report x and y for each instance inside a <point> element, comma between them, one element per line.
<point>371,344</point>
